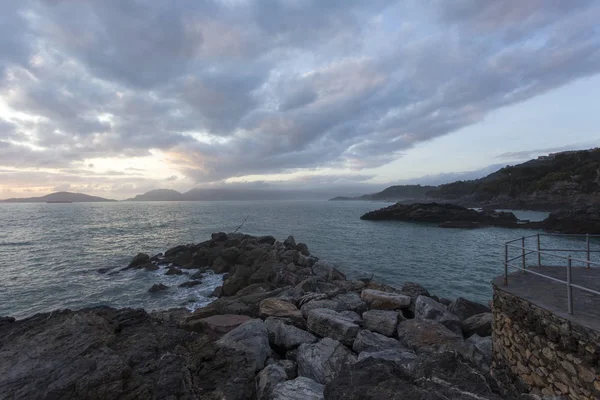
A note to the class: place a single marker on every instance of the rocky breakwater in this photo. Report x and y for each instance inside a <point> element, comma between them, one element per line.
<point>578,220</point>
<point>286,325</point>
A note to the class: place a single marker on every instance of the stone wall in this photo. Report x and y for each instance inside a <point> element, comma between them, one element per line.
<point>538,352</point>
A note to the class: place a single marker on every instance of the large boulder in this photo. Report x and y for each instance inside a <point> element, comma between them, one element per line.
<point>139,261</point>
<point>381,321</point>
<point>301,388</point>
<point>402,358</point>
<point>427,336</point>
<point>464,308</point>
<point>252,339</point>
<point>428,308</point>
<point>267,379</point>
<point>351,301</point>
<point>478,324</point>
<point>158,287</point>
<point>238,280</point>
<point>328,323</point>
<point>327,271</point>
<point>379,300</point>
<point>323,360</point>
<point>579,220</point>
<point>483,346</point>
<point>275,307</point>
<point>414,290</point>
<point>220,324</point>
<point>285,336</point>
<point>372,342</point>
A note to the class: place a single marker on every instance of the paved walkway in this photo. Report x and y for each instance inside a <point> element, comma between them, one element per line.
<point>552,295</point>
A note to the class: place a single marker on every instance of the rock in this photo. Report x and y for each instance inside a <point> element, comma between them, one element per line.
<point>274,307</point>
<point>303,249</point>
<point>286,336</point>
<point>428,308</point>
<point>300,388</point>
<point>316,304</point>
<point>577,220</point>
<point>266,240</point>
<point>267,379</point>
<point>138,260</point>
<point>231,254</point>
<point>402,358</point>
<point>352,317</point>
<point>322,361</point>
<point>237,281</point>
<point>6,320</point>
<point>172,252</point>
<point>445,301</point>
<point>483,345</point>
<point>218,237</point>
<point>290,243</point>
<point>290,367</point>
<point>464,308</point>
<point>427,336</point>
<point>220,324</point>
<point>478,324</point>
<point>349,286</point>
<point>414,290</point>
<point>157,287</point>
<point>190,284</point>
<point>381,321</point>
<point>173,271</point>
<point>328,323</point>
<point>372,342</point>
<point>379,300</point>
<point>251,338</point>
<point>255,288</point>
<point>327,271</point>
<point>351,302</point>
<point>245,305</point>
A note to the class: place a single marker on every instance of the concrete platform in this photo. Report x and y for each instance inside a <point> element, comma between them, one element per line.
<point>552,296</point>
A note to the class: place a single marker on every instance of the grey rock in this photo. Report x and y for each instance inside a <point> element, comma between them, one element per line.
<point>290,243</point>
<point>351,301</point>
<point>267,379</point>
<point>372,342</point>
<point>316,304</point>
<point>352,317</point>
<point>328,323</point>
<point>381,321</point>
<point>379,300</point>
<point>251,338</point>
<point>266,240</point>
<point>139,260</point>
<point>403,358</point>
<point>414,290</point>
<point>197,276</point>
<point>323,360</point>
<point>327,271</point>
<point>158,287</point>
<point>464,308</point>
<point>303,249</point>
<point>445,301</point>
<point>483,345</point>
<point>428,308</point>
<point>426,336</point>
<point>300,388</point>
<point>349,285</point>
<point>290,367</point>
<point>218,237</point>
<point>173,271</point>
<point>286,336</point>
<point>289,256</point>
<point>190,284</point>
<point>478,324</point>
<point>231,254</point>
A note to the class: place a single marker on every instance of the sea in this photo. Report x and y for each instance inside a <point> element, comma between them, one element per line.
<point>57,256</point>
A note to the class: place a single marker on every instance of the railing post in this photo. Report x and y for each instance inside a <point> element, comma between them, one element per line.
<point>523,252</point>
<point>505,264</point>
<point>587,241</point>
<point>569,289</point>
<point>539,249</point>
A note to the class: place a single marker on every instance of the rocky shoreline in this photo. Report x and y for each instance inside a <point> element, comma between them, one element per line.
<point>286,325</point>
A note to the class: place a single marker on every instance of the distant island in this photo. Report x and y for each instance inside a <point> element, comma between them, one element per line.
<point>226,194</point>
<point>60,197</point>
<point>393,193</point>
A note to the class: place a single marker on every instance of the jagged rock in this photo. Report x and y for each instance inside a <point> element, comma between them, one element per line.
<point>328,323</point>
<point>290,367</point>
<point>6,320</point>
<point>251,338</point>
<point>267,379</point>
<point>274,307</point>
<point>138,260</point>
<point>478,324</point>
<point>173,271</point>
<point>464,308</point>
<point>483,345</point>
<point>381,321</point>
<point>327,271</point>
<point>322,361</point>
<point>238,280</point>
<point>303,249</point>
<point>313,284</point>
<point>231,254</point>
<point>349,286</point>
<point>286,336</point>
<point>403,358</point>
<point>373,342</point>
<point>219,324</point>
<point>266,240</point>
<point>300,388</point>
<point>157,287</point>
<point>197,276</point>
<point>316,304</point>
<point>220,265</point>
<point>219,237</point>
<point>352,317</point>
<point>379,300</point>
<point>414,290</point>
<point>351,301</point>
<point>427,336</point>
<point>445,301</point>
<point>289,256</point>
<point>255,288</point>
<point>428,308</point>
<point>290,243</point>
<point>190,284</point>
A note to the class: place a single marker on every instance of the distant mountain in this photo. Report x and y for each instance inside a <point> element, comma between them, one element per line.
<point>59,197</point>
<point>393,193</point>
<point>547,183</point>
<point>159,195</point>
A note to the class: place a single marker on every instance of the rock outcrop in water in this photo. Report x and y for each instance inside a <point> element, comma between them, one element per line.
<point>286,326</point>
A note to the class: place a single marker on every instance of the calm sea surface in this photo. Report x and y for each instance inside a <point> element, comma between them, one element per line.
<point>50,253</point>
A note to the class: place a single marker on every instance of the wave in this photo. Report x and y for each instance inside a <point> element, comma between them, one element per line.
<point>16,243</point>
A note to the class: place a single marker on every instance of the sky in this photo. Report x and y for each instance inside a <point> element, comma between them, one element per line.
<point>118,97</point>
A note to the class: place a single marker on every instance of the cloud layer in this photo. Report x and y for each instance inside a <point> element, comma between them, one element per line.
<point>255,87</point>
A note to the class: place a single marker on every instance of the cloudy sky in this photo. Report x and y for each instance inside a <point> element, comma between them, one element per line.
<point>116,97</point>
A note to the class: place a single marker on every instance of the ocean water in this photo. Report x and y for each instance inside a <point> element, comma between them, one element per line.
<point>50,254</point>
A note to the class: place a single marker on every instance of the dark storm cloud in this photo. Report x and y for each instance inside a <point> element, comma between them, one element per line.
<point>229,89</point>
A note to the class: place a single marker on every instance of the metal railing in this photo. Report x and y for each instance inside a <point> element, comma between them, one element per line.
<point>525,251</point>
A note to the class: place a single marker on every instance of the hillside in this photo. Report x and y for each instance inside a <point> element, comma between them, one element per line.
<point>60,197</point>
<point>546,183</point>
<point>159,195</point>
<point>393,193</point>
